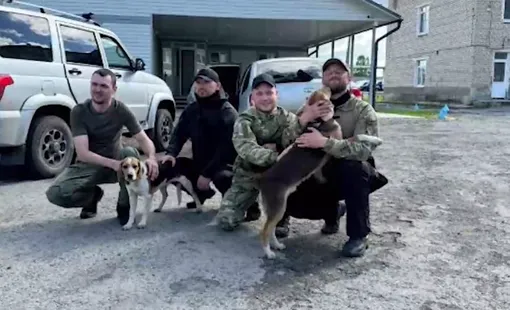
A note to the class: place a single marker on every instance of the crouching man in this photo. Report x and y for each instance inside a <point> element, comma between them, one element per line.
<point>259,134</point>
<point>96,126</point>
<point>351,173</point>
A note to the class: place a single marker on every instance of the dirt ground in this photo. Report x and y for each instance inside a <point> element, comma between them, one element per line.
<point>440,240</point>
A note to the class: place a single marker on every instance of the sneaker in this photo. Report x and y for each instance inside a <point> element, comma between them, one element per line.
<point>253,213</point>
<point>91,211</point>
<point>355,247</point>
<point>332,228</point>
<point>282,228</point>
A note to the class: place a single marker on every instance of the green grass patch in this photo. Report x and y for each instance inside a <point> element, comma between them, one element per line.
<point>428,114</point>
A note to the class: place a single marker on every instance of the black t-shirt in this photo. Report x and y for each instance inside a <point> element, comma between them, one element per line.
<point>103,129</point>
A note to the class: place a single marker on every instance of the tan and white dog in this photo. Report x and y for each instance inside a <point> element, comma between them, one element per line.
<point>135,174</point>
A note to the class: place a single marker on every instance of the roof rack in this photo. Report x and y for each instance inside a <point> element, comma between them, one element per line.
<point>87,17</point>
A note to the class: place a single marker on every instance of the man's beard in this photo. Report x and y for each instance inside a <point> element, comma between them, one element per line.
<point>338,89</point>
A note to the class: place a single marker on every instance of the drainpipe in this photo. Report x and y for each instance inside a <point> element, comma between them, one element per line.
<point>375,49</point>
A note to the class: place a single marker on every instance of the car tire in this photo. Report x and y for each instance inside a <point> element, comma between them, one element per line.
<point>163,128</point>
<point>50,147</point>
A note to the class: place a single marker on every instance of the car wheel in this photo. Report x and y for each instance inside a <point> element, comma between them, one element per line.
<point>50,146</point>
<point>163,129</point>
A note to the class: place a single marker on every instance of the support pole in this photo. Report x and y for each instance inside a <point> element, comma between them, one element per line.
<point>374,60</point>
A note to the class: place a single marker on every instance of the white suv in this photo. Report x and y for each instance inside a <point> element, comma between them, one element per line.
<point>46,62</point>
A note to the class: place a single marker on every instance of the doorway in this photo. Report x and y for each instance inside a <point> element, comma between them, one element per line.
<point>501,75</point>
<point>187,63</point>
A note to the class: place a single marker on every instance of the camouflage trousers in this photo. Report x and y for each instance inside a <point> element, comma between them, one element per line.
<point>237,200</point>
<point>77,186</point>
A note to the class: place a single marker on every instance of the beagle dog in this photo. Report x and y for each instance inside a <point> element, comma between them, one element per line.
<point>135,174</point>
<point>294,165</point>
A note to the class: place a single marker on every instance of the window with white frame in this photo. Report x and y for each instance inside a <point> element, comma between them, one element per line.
<point>506,10</point>
<point>422,26</point>
<point>420,72</point>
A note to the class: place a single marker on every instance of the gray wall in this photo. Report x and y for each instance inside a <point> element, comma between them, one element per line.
<point>460,45</point>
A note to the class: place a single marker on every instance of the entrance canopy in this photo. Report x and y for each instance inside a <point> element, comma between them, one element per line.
<point>299,31</point>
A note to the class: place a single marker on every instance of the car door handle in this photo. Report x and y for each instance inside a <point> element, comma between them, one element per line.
<point>74,71</point>
<point>118,75</point>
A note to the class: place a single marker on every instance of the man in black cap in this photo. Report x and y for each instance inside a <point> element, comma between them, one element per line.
<point>208,123</point>
<point>351,172</point>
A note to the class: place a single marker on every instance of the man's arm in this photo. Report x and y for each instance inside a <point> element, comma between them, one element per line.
<point>81,142</point>
<point>179,135</point>
<point>364,141</point>
<point>294,127</point>
<point>245,143</point>
<point>140,136</point>
<point>225,146</point>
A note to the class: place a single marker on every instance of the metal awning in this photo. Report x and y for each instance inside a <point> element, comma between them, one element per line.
<point>288,31</point>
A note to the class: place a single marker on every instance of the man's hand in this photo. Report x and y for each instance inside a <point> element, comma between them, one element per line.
<point>203,183</point>
<point>166,158</point>
<point>115,165</point>
<point>152,165</point>
<point>321,109</point>
<point>271,146</point>
<point>313,139</point>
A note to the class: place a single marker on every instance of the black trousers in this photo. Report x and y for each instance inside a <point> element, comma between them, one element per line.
<point>222,180</point>
<point>348,180</point>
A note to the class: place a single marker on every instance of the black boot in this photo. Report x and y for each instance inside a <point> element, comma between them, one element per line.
<point>282,228</point>
<point>355,247</point>
<point>253,213</point>
<point>203,196</point>
<point>332,226</point>
<point>91,211</point>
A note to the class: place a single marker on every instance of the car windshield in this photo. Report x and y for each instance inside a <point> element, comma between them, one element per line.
<point>287,71</point>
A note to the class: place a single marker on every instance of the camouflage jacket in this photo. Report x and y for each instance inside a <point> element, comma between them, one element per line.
<point>253,129</point>
<point>360,130</point>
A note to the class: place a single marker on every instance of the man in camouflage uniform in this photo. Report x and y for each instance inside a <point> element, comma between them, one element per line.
<point>259,134</point>
<point>351,173</point>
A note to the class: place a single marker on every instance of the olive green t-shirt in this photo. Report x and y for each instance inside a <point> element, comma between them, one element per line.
<point>103,129</point>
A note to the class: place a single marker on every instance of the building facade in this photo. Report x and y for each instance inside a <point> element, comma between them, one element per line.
<point>176,38</point>
<point>456,50</point>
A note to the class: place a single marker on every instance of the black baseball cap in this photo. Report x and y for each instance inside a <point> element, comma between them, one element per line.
<point>263,78</point>
<point>207,74</point>
<point>335,61</point>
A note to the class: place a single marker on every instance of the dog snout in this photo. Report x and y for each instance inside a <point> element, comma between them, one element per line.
<point>131,176</point>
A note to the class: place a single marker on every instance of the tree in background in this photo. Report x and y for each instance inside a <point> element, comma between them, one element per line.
<point>362,67</point>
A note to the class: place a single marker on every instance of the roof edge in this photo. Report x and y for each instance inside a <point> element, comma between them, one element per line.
<point>383,8</point>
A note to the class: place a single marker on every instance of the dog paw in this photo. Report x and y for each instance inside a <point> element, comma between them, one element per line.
<point>141,225</point>
<point>279,246</point>
<point>270,254</point>
<point>127,227</point>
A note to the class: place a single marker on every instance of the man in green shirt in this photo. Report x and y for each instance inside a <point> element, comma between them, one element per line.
<point>260,133</point>
<point>97,126</point>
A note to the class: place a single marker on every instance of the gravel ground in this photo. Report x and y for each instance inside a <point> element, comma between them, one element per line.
<point>440,240</point>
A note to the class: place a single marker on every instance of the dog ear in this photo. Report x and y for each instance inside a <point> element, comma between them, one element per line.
<point>327,91</point>
<point>120,173</point>
<point>140,170</point>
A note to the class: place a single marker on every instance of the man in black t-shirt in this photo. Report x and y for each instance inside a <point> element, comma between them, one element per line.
<point>96,126</point>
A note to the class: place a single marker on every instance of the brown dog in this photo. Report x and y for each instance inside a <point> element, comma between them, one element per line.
<point>294,165</point>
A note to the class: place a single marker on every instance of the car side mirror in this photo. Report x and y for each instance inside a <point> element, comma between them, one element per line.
<point>139,64</point>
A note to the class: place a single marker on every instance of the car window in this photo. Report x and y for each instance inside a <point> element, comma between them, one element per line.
<point>285,71</point>
<point>115,55</point>
<point>25,37</point>
<point>246,79</point>
<point>80,46</point>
